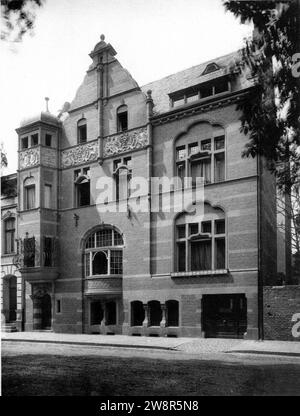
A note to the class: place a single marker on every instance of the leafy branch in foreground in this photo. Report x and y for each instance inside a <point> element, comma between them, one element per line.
<point>270,114</point>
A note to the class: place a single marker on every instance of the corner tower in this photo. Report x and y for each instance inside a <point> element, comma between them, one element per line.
<point>38,143</point>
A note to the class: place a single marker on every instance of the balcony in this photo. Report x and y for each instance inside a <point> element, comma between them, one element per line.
<point>44,274</point>
<point>99,285</point>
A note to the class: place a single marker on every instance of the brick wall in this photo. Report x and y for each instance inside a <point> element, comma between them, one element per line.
<point>280,304</point>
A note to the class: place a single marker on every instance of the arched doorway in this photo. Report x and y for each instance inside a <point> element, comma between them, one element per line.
<point>46,312</point>
<point>12,285</point>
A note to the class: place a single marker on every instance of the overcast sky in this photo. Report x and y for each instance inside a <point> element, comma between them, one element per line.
<point>153,38</point>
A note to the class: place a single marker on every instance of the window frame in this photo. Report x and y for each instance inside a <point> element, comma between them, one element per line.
<point>82,123</point>
<point>122,110</point>
<point>189,157</point>
<point>188,239</point>
<point>26,199</point>
<point>107,249</point>
<point>12,232</point>
<point>80,175</point>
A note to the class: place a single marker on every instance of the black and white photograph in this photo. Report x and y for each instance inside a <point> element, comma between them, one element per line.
<point>150,201</point>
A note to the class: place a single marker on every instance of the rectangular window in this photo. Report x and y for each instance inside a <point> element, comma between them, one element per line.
<point>193,148</point>
<point>206,91</point>
<point>220,253</point>
<point>58,306</point>
<point>9,246</point>
<point>30,197</point>
<point>181,231</point>
<point>180,153</point>
<point>181,256</point>
<point>24,143</point>
<point>122,117</point>
<point>181,172</point>
<point>87,264</point>
<point>219,142</point>
<point>96,313</point>
<point>193,97</point>
<point>178,101</point>
<point>47,196</point>
<point>206,227</point>
<point>206,145</point>
<point>29,252</point>
<point>201,255</point>
<point>104,238</point>
<point>83,193</point>
<point>34,140</point>
<point>48,140</point>
<point>221,86</point>
<point>201,168</point>
<point>116,262</point>
<point>82,134</point>
<point>193,228</point>
<point>220,227</point>
<point>219,167</point>
<point>48,251</point>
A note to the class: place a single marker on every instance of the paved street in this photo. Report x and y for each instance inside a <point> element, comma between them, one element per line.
<point>58,369</point>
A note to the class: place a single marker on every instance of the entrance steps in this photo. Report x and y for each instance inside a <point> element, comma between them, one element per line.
<point>9,327</point>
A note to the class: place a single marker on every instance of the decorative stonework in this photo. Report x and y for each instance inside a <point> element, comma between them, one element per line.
<point>80,154</point>
<point>29,158</point>
<point>103,285</point>
<point>125,142</point>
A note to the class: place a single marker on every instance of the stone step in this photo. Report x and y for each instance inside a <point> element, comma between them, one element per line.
<point>8,328</point>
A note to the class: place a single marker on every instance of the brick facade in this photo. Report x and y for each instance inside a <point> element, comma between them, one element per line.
<point>155,128</point>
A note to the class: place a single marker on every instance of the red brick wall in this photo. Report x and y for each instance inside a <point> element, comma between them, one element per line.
<point>280,304</point>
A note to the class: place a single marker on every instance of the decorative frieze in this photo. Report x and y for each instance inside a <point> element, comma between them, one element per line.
<point>29,158</point>
<point>125,142</point>
<point>103,285</point>
<point>83,153</point>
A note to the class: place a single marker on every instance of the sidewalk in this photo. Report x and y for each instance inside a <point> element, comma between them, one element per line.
<point>186,345</point>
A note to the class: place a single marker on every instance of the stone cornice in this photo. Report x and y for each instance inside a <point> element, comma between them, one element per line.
<point>200,107</point>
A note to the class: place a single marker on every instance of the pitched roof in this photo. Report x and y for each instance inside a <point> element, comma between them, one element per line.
<point>186,78</point>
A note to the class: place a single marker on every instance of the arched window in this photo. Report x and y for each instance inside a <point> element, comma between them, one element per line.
<point>172,313</point>
<point>82,131</point>
<point>155,313</point>
<point>123,175</point>
<point>104,253</point>
<point>82,187</point>
<point>203,157</point>
<point>137,313</point>
<point>122,118</point>
<point>9,230</point>
<point>29,193</point>
<point>201,245</point>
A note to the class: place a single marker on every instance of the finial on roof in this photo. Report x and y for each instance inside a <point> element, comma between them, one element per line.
<point>47,100</point>
<point>102,37</point>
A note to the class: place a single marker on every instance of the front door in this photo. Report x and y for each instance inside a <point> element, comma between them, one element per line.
<point>224,316</point>
<point>12,299</point>
<point>46,312</point>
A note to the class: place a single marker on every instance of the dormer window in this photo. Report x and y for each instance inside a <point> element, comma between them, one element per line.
<point>210,68</point>
<point>122,118</point>
<point>82,131</point>
<point>198,92</point>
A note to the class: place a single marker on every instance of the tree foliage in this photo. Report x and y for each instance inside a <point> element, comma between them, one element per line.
<point>270,114</point>
<point>17,18</point>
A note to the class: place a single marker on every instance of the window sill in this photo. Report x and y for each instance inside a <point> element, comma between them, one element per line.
<point>8,254</point>
<point>200,273</point>
<point>103,276</point>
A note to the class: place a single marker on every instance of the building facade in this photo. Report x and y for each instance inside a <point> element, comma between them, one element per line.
<point>87,265</point>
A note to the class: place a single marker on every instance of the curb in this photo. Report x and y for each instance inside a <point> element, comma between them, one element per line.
<point>90,344</point>
<point>283,353</point>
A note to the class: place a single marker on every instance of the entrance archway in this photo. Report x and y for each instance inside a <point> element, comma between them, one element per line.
<point>46,310</point>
